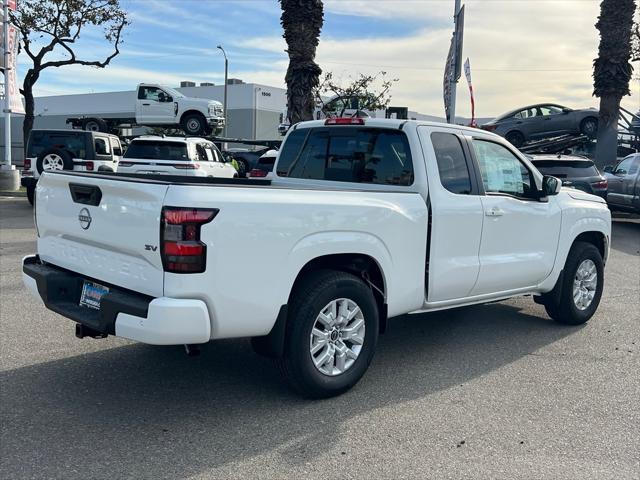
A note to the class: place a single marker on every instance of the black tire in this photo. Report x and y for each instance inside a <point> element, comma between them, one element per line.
<point>562,307</point>
<point>63,155</point>
<point>95,125</point>
<point>589,127</point>
<point>194,124</point>
<point>515,138</point>
<point>31,192</point>
<point>308,300</point>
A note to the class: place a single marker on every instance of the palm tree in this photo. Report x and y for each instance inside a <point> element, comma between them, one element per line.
<point>612,72</point>
<point>302,21</point>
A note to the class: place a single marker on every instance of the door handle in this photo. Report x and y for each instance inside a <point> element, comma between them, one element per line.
<point>494,212</point>
<point>146,104</point>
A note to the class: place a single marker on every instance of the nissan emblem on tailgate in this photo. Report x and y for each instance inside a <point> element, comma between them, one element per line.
<point>85,218</point>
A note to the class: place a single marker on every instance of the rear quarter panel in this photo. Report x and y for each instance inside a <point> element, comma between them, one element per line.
<point>262,237</point>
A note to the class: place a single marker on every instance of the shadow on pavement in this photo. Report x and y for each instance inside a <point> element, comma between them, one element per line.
<point>625,236</point>
<point>154,410</point>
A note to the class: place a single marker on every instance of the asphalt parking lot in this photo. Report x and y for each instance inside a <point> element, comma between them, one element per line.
<point>496,391</point>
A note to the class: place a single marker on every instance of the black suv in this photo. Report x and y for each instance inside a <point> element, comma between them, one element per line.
<point>574,171</point>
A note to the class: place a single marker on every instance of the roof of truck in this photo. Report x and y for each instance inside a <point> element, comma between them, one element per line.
<point>396,123</point>
<point>158,138</point>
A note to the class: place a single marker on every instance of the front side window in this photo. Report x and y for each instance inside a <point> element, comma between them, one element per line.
<point>502,172</point>
<point>348,154</point>
<point>624,166</point>
<point>452,165</point>
<point>550,110</point>
<point>116,147</point>
<point>151,93</point>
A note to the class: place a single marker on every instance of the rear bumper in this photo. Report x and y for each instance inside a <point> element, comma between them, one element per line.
<point>156,321</point>
<point>28,182</point>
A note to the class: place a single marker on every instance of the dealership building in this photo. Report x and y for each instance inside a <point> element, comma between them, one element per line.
<point>253,110</point>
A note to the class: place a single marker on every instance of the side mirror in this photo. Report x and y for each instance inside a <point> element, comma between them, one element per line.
<point>608,169</point>
<point>566,110</point>
<point>550,185</point>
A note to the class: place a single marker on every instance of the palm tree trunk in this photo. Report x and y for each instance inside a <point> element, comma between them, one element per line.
<point>302,21</point>
<point>612,73</point>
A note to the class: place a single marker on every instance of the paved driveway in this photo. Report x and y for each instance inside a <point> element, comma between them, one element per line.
<point>495,391</point>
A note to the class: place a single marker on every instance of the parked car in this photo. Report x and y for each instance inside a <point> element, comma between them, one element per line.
<point>247,159</point>
<point>159,106</point>
<point>574,171</point>
<point>264,165</point>
<point>189,156</point>
<point>543,121</point>
<point>52,150</point>
<point>624,184</point>
<point>364,220</point>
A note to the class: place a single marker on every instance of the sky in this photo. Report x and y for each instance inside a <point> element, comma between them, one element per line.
<point>521,51</point>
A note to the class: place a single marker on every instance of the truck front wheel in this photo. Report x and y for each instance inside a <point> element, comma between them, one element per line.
<point>581,288</point>
<point>194,124</point>
<point>332,332</point>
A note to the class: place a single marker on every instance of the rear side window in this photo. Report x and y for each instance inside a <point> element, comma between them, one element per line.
<point>452,165</point>
<point>102,146</point>
<point>348,154</point>
<point>155,150</point>
<point>73,142</point>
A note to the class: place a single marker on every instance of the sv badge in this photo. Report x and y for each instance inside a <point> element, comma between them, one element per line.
<point>151,248</point>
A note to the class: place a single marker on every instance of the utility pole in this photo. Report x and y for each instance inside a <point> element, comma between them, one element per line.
<point>226,81</point>
<point>7,100</point>
<point>453,81</point>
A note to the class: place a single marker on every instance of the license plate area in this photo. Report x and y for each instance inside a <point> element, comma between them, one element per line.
<point>92,294</point>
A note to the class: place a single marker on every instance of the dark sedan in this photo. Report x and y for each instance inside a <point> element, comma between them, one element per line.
<point>543,121</point>
<point>574,171</point>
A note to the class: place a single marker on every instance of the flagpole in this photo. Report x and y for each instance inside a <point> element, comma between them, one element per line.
<point>7,101</point>
<point>453,81</point>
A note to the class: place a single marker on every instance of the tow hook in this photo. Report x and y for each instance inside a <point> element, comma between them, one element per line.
<point>192,350</point>
<point>84,331</point>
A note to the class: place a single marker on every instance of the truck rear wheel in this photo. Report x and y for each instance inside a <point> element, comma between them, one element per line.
<point>95,125</point>
<point>194,124</point>
<point>581,288</point>
<point>332,332</point>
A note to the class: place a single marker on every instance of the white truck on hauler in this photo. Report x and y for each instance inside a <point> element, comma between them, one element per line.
<point>364,220</point>
<point>161,106</point>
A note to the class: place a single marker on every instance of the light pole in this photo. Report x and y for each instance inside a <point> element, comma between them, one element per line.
<point>7,101</point>
<point>226,74</point>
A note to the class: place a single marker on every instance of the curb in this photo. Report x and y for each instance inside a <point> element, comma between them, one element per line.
<point>13,194</point>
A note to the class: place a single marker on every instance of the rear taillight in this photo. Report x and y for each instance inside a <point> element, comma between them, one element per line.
<point>489,128</point>
<point>256,172</point>
<point>186,166</point>
<point>181,248</point>
<point>600,184</point>
<point>27,164</point>
<point>88,166</point>
<point>344,121</point>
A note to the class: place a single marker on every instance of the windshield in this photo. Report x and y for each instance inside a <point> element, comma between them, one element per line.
<point>157,150</point>
<point>172,92</point>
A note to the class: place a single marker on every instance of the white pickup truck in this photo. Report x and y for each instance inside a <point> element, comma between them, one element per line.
<point>161,106</point>
<point>363,221</point>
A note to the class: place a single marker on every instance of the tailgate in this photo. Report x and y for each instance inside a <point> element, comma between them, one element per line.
<point>106,229</point>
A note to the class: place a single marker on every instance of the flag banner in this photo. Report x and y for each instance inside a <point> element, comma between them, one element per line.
<point>11,74</point>
<point>446,84</point>
<point>467,73</point>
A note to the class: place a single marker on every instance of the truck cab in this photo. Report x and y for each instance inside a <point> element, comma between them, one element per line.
<point>159,105</point>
